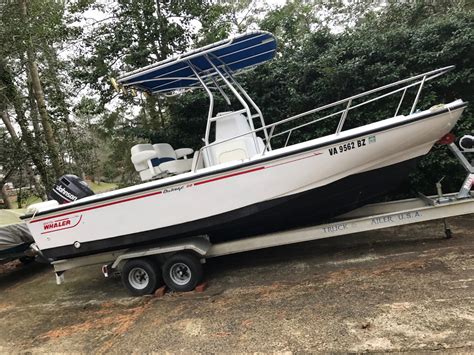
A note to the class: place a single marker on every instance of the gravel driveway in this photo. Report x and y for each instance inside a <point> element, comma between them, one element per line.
<point>393,290</point>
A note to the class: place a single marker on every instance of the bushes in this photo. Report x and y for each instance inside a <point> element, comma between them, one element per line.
<point>383,47</point>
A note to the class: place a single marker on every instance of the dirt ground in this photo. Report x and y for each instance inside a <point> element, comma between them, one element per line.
<point>404,289</point>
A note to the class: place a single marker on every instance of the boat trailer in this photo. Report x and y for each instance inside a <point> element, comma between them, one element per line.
<point>179,263</point>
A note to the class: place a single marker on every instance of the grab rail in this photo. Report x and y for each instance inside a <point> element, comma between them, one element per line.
<point>413,81</point>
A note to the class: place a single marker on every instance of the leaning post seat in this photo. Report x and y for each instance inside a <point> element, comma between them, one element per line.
<point>228,125</point>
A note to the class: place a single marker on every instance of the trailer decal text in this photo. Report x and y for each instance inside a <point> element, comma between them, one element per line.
<point>336,227</point>
<point>396,218</point>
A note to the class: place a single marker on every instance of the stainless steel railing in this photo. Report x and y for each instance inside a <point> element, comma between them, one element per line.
<point>417,80</point>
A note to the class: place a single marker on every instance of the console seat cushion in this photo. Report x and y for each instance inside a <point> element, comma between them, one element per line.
<point>169,158</point>
<point>245,145</point>
<point>148,174</point>
<point>177,166</point>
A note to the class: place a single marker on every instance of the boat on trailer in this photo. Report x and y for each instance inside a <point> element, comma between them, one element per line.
<point>242,183</point>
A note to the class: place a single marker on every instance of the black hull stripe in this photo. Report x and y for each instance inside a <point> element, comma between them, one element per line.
<point>302,150</point>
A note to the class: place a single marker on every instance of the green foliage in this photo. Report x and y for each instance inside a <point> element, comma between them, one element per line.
<point>326,52</point>
<point>133,34</point>
<point>385,46</point>
<point>215,26</point>
<point>291,24</point>
<point>316,66</point>
<point>46,25</point>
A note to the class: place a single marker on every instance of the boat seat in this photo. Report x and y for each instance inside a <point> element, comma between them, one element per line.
<point>160,160</point>
<point>229,125</point>
<point>169,160</point>
<point>142,156</point>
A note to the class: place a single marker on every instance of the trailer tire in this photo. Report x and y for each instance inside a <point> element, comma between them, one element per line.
<point>182,272</point>
<point>141,276</point>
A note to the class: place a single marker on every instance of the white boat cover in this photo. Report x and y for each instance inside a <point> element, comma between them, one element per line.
<point>14,235</point>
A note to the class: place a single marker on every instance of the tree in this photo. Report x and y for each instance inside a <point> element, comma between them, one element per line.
<point>10,96</point>
<point>38,92</point>
<point>131,35</point>
<point>34,90</point>
<point>383,46</point>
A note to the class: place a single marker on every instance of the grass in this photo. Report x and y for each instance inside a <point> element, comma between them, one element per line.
<point>13,215</point>
<point>10,216</point>
<point>29,201</point>
<point>102,187</point>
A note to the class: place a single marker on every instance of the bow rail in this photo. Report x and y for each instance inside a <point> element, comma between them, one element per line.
<point>347,106</point>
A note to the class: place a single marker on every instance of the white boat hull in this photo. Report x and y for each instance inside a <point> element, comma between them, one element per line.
<point>209,199</point>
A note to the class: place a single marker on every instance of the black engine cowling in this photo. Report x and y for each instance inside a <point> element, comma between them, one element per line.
<point>69,188</point>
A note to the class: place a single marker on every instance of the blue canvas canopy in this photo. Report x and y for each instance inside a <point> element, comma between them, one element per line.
<point>234,54</point>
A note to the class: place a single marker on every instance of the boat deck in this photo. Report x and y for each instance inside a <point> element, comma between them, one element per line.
<point>402,288</point>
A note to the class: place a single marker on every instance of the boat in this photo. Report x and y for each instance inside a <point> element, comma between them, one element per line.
<point>15,242</point>
<point>248,178</point>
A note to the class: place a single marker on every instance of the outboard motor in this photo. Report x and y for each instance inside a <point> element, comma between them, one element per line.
<point>70,188</point>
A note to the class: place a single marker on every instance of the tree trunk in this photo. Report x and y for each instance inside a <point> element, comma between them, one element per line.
<point>34,110</point>
<point>53,62</point>
<point>39,96</point>
<point>34,151</point>
<point>3,191</point>
<point>29,171</point>
<point>33,148</point>
<point>5,197</point>
<point>8,124</point>
<point>3,188</point>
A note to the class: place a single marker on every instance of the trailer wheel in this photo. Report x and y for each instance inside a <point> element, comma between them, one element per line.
<point>182,272</point>
<point>140,276</point>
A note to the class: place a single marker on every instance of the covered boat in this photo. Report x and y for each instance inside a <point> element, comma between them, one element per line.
<point>15,241</point>
<point>240,183</point>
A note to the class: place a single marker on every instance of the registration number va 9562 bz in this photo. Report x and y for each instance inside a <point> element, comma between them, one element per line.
<point>347,146</point>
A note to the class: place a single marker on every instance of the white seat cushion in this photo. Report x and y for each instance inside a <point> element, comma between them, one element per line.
<point>140,148</point>
<point>149,174</point>
<point>183,152</point>
<point>144,156</point>
<point>164,150</point>
<point>177,166</point>
<point>240,148</point>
